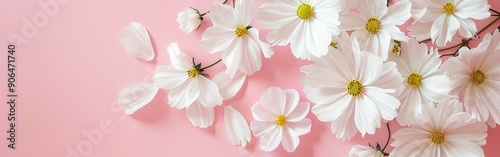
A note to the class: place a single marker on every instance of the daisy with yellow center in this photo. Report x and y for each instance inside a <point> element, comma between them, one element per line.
<point>444,130</point>
<point>424,82</point>
<point>279,117</point>
<point>306,25</point>
<point>441,20</point>
<point>233,35</point>
<point>189,87</point>
<point>375,25</point>
<point>354,96</point>
<point>474,79</point>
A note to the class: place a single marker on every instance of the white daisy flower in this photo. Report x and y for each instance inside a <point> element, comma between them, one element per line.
<point>354,90</point>
<point>307,25</point>
<point>365,151</point>
<point>424,81</point>
<point>474,78</point>
<point>189,87</point>
<point>189,19</point>
<point>448,17</point>
<point>233,34</point>
<point>444,130</point>
<point>375,24</point>
<point>280,117</point>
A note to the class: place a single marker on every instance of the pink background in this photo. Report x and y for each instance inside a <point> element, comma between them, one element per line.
<point>72,67</point>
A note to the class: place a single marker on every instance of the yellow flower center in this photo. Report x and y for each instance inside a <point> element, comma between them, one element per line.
<point>193,72</point>
<point>354,88</point>
<point>449,8</point>
<point>477,77</point>
<point>281,120</point>
<point>437,137</point>
<point>372,25</point>
<point>334,45</point>
<point>305,11</point>
<point>240,31</point>
<point>414,80</point>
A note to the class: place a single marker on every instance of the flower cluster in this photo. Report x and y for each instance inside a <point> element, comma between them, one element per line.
<point>364,71</point>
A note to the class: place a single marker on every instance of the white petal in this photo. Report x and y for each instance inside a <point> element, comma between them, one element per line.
<point>228,87</point>
<point>199,115</point>
<point>292,99</point>
<point>136,40</point>
<point>399,12</point>
<point>221,16</point>
<point>276,15</point>
<point>232,58</point>
<point>184,95</point>
<point>216,39</point>
<point>209,93</point>
<point>299,113</point>
<point>179,59</point>
<point>253,33</point>
<point>261,112</point>
<point>301,127</point>
<point>251,61</point>
<point>136,96</point>
<point>271,139</point>
<point>274,100</point>
<point>290,139</point>
<point>168,77</point>
<point>236,127</point>
<point>245,11</point>
<point>260,128</point>
<point>365,118</point>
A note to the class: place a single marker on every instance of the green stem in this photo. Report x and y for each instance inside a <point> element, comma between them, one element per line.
<point>212,64</point>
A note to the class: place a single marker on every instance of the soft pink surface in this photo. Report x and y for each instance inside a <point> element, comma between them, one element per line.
<point>71,70</point>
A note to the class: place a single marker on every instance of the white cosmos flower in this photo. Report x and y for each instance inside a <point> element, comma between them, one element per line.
<point>354,90</point>
<point>424,81</point>
<point>444,130</point>
<point>307,25</point>
<point>189,88</point>
<point>448,17</point>
<point>236,127</point>
<point>364,151</point>
<point>375,24</point>
<point>233,34</point>
<point>280,117</point>
<point>474,78</point>
<point>189,19</point>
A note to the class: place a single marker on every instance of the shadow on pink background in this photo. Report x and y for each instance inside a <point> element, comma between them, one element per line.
<point>71,67</point>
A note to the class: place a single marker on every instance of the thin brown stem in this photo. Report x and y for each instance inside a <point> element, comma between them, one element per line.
<point>466,42</point>
<point>388,138</point>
